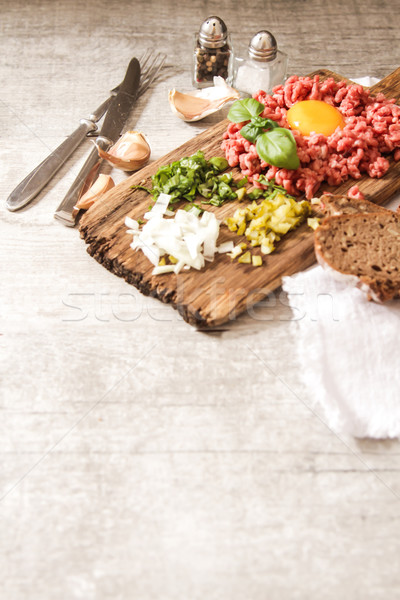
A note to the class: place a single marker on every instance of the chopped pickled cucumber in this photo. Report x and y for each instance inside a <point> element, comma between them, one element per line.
<point>230,222</point>
<point>245,258</point>
<point>265,222</point>
<point>256,260</point>
<point>240,193</point>
<point>267,246</point>
<point>237,250</point>
<point>242,227</point>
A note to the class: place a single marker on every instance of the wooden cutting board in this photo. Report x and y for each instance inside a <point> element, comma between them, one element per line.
<point>224,288</point>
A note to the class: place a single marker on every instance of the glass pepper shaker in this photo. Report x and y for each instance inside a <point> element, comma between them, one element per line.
<point>264,67</point>
<point>212,53</point>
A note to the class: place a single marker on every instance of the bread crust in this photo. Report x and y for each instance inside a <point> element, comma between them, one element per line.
<point>369,239</point>
<point>332,205</point>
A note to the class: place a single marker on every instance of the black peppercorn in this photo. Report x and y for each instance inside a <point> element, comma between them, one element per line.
<point>212,53</point>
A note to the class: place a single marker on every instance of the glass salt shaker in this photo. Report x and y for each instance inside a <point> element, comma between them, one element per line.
<point>213,54</point>
<point>265,66</point>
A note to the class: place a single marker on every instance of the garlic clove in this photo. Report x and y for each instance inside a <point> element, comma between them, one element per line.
<point>102,184</point>
<point>201,103</point>
<point>188,107</point>
<point>129,153</point>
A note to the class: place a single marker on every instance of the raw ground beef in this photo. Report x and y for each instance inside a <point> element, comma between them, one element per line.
<point>372,129</point>
<point>356,193</point>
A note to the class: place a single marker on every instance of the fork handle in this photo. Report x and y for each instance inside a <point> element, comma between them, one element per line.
<point>37,179</point>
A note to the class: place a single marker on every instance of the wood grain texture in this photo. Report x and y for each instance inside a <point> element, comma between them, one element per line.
<point>224,288</point>
<point>141,459</point>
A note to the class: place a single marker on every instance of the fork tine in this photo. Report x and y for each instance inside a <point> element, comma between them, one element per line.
<point>151,71</point>
<point>150,66</point>
<point>143,61</point>
<point>145,58</point>
<point>149,77</point>
<point>143,55</point>
<point>152,60</point>
<point>155,72</point>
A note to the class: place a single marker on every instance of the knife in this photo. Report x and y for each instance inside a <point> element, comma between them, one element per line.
<point>33,183</point>
<point>114,121</point>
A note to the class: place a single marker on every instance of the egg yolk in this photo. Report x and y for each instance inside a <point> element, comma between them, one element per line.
<point>310,116</point>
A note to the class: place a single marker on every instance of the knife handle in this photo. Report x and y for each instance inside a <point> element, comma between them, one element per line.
<point>65,212</point>
<point>37,179</point>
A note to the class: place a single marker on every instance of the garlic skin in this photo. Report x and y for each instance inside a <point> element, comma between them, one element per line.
<point>201,103</point>
<point>129,153</point>
<point>102,184</point>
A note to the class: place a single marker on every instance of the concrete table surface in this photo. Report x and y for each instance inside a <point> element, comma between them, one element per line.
<point>141,459</point>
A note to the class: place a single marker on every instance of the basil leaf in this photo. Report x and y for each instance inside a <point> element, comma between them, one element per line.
<point>278,148</point>
<point>250,132</point>
<point>244,110</point>
<point>256,127</point>
<point>264,123</point>
<point>260,122</point>
<point>272,124</point>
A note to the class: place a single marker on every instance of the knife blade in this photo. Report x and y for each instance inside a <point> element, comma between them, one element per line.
<point>114,121</point>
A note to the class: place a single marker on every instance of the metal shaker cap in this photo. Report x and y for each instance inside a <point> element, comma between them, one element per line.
<point>263,46</point>
<point>213,33</point>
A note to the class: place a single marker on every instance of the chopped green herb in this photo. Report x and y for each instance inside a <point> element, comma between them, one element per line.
<point>226,177</point>
<point>219,162</point>
<point>255,194</point>
<point>272,187</point>
<point>190,207</point>
<point>186,178</point>
<point>141,187</point>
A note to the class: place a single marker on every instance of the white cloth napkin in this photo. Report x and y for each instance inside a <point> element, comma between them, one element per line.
<point>347,350</point>
<point>366,81</point>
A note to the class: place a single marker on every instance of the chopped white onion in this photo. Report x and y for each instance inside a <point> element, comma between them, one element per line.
<point>131,223</point>
<point>160,207</point>
<point>161,269</point>
<point>189,239</point>
<point>179,266</point>
<point>225,247</point>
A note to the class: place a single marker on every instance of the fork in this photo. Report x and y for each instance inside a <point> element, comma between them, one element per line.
<point>150,65</point>
<point>33,183</point>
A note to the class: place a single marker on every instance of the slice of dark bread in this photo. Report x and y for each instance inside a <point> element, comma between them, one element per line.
<point>331,205</point>
<point>364,249</point>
